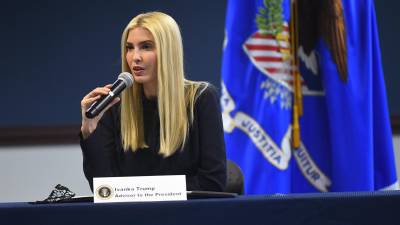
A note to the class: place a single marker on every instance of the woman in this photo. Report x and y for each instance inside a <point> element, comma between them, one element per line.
<point>163,124</point>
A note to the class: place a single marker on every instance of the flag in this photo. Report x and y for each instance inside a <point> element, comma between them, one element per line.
<point>345,136</point>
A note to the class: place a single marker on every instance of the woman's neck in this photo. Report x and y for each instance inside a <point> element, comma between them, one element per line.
<point>150,91</point>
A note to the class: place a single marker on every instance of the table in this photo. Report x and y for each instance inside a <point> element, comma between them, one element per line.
<point>378,208</point>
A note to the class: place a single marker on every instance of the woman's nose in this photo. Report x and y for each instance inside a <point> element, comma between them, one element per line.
<point>137,56</point>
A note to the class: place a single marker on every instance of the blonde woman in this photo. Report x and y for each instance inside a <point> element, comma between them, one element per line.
<point>163,124</point>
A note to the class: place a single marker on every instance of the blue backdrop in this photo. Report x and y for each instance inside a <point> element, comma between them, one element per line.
<point>54,52</point>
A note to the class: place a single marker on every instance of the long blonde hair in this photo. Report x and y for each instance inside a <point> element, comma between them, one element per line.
<point>176,95</point>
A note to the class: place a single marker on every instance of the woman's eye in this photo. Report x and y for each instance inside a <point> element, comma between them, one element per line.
<point>147,46</point>
<point>129,47</point>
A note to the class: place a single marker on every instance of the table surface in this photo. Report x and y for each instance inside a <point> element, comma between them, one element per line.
<point>319,208</point>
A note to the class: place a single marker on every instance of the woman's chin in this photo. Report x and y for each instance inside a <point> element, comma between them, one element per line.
<point>139,79</point>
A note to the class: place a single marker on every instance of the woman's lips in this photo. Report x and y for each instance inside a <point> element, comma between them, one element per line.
<point>138,70</point>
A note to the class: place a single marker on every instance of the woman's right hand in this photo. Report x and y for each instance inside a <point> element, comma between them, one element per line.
<point>89,125</point>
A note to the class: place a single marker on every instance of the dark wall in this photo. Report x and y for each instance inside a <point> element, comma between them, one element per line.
<point>388,16</point>
<point>53,52</point>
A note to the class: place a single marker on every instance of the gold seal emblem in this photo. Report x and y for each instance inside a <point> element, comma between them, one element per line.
<point>105,192</point>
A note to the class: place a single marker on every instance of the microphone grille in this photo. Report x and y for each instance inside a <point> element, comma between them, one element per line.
<point>126,78</point>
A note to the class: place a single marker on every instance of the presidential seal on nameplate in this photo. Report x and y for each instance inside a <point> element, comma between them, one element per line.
<point>139,189</point>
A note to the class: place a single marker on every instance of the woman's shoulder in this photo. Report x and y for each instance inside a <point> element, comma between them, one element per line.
<point>201,87</point>
<point>208,90</point>
<point>205,93</point>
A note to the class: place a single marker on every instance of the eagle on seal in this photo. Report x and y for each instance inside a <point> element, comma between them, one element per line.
<point>323,18</point>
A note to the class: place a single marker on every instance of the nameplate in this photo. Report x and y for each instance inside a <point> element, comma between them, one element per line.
<point>139,189</point>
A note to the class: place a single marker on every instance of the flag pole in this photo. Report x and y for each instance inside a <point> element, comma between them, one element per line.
<point>297,92</point>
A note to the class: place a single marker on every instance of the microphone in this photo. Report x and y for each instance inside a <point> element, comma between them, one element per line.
<point>124,80</point>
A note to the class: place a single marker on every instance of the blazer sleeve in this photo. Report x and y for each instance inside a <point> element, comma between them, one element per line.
<point>99,150</point>
<point>211,175</point>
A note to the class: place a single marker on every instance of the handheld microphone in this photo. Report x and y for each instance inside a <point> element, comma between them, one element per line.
<point>124,80</point>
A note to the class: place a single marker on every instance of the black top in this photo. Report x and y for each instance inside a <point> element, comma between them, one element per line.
<point>202,160</point>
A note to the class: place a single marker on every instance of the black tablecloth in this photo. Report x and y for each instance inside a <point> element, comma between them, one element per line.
<point>378,208</point>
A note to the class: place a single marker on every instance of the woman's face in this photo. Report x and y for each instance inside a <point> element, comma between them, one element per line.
<point>141,56</point>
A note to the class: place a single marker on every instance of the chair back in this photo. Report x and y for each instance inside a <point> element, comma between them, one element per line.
<point>235,180</point>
